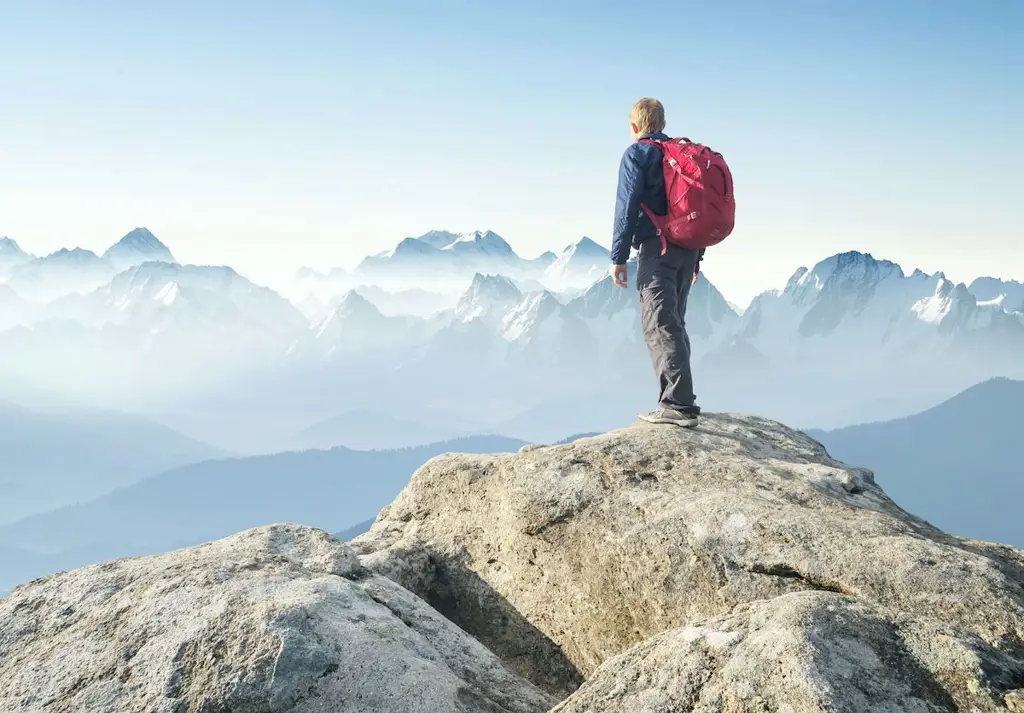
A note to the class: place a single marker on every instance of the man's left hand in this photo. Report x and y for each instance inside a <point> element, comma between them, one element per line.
<point>620,275</point>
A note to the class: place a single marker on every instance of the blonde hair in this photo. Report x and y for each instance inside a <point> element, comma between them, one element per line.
<point>648,115</point>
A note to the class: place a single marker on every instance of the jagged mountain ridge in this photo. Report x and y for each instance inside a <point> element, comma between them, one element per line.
<point>59,273</point>
<point>579,265</point>
<point>850,318</point>
<point>488,297</point>
<point>455,253</point>
<point>76,270</point>
<point>1008,294</point>
<point>161,296</point>
<point>852,299</point>
<point>135,248</point>
<point>11,255</point>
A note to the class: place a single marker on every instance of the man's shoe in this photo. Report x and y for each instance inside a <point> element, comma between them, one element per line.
<point>671,416</point>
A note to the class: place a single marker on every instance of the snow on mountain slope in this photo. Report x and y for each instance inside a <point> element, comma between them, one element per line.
<point>542,261</point>
<point>161,297</point>
<point>482,244</point>
<point>536,314</point>
<point>610,313</point>
<point>1008,294</point>
<point>437,262</point>
<point>580,265</point>
<point>854,308</point>
<point>489,298</point>
<point>357,325</point>
<point>612,316</point>
<point>541,330</point>
<point>709,317</point>
<point>438,238</point>
<point>61,273</point>
<point>135,248</point>
<point>951,306</point>
<point>11,255</point>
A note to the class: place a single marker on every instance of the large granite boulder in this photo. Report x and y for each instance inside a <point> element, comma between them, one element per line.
<point>806,651</point>
<point>270,620</point>
<point>561,558</point>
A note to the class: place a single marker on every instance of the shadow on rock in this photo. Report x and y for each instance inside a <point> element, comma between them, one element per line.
<point>452,588</point>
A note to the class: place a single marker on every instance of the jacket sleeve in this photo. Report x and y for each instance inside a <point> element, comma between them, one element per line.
<point>627,205</point>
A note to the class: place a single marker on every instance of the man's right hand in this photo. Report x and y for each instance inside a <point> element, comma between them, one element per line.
<point>620,275</point>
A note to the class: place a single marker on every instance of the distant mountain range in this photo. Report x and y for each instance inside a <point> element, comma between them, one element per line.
<point>1002,293</point>
<point>52,460</point>
<point>959,465</point>
<point>333,489</point>
<point>852,300</point>
<point>440,256</point>
<point>76,270</point>
<point>461,322</point>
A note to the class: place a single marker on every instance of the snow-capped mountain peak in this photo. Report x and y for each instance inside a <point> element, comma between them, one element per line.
<point>586,246</point>
<point>62,272</point>
<point>480,242</point>
<point>492,287</point>
<point>409,246</point>
<point>950,304</point>
<point>357,323</point>
<point>851,269</point>
<point>603,299</point>
<point>488,296</point>
<point>1008,294</point>
<point>9,248</point>
<point>438,238</point>
<point>187,302</point>
<point>168,294</point>
<point>137,247</point>
<point>443,262</point>
<point>579,265</point>
<point>11,255</point>
<point>354,306</point>
<point>72,256</point>
<point>533,310</point>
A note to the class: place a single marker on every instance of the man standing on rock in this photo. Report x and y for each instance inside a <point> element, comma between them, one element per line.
<point>665,271</point>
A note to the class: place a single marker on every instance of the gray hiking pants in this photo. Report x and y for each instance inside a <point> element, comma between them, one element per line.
<point>664,285</point>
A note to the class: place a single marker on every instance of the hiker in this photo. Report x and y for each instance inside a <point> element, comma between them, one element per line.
<point>671,243</point>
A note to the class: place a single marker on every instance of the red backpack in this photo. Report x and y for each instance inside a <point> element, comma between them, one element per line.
<point>698,186</point>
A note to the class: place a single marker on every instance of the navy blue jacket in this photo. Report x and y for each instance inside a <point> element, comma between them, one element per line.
<point>641,180</point>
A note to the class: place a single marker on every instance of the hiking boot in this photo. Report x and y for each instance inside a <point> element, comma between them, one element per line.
<point>671,416</point>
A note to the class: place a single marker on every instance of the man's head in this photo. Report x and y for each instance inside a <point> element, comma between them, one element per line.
<point>646,117</point>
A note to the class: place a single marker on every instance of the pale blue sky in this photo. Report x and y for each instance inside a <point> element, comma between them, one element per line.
<point>269,135</point>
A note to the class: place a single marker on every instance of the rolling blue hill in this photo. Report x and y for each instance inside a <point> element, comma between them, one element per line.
<point>959,465</point>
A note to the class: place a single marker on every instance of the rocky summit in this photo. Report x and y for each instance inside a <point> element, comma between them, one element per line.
<point>733,568</point>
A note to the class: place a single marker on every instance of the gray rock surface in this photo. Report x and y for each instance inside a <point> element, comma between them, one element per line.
<point>807,651</point>
<point>270,620</point>
<point>560,558</point>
